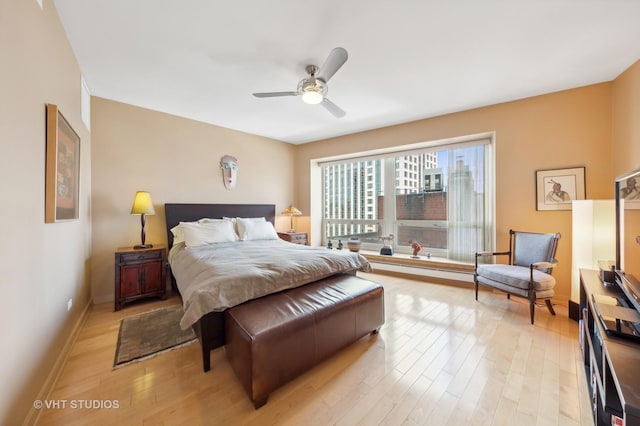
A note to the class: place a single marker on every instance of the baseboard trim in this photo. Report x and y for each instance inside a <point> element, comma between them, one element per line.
<point>34,415</point>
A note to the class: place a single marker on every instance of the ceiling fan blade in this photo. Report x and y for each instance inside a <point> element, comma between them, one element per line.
<point>334,109</point>
<point>274,94</point>
<point>336,59</point>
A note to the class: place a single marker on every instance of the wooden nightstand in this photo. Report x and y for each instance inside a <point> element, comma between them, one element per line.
<point>294,237</point>
<point>139,273</point>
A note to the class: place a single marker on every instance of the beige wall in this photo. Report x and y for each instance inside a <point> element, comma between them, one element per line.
<point>43,265</point>
<point>178,161</point>
<point>559,130</point>
<point>626,120</point>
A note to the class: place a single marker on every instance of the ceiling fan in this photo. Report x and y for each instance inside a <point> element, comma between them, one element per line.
<point>313,89</point>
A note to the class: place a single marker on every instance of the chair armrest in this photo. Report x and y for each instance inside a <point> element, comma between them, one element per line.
<point>543,265</point>
<point>490,253</point>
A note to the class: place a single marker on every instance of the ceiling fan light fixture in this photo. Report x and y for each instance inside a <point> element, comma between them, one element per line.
<point>313,88</point>
<point>312,97</point>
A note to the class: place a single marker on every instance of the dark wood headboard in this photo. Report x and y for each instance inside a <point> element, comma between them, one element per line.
<point>176,213</point>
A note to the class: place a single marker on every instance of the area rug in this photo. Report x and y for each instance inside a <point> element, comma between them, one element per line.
<point>149,334</point>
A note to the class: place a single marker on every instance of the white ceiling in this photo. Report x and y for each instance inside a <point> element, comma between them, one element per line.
<point>202,59</point>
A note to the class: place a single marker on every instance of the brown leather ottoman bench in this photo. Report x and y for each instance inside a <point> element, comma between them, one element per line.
<point>271,340</point>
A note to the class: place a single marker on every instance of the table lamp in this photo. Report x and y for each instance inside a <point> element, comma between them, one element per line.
<point>291,211</point>
<point>143,206</point>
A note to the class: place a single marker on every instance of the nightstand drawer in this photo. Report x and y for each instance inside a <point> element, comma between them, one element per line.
<point>140,256</point>
<point>294,237</point>
<point>299,238</point>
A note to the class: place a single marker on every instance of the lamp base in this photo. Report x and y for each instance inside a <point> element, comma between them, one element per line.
<point>143,246</point>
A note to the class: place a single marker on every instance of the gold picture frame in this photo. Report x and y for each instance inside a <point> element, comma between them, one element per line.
<point>62,176</point>
<point>556,189</point>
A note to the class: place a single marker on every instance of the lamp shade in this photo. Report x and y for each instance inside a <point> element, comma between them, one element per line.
<point>291,211</point>
<point>142,203</point>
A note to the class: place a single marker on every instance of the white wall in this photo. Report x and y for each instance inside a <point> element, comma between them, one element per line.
<point>594,238</point>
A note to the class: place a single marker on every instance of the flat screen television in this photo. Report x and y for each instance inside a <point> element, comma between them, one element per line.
<point>627,195</point>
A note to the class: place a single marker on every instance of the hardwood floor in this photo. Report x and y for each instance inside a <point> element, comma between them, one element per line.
<point>441,358</point>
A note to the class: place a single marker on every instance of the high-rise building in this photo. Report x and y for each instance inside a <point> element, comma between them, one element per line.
<point>352,189</point>
<point>410,172</point>
<point>464,233</point>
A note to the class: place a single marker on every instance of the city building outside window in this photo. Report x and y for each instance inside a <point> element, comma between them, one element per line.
<point>445,204</point>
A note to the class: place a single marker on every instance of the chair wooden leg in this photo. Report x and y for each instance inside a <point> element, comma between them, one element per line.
<point>549,306</point>
<point>476,283</point>
<point>532,306</point>
<point>508,296</point>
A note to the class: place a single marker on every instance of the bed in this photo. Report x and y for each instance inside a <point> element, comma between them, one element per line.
<point>212,278</point>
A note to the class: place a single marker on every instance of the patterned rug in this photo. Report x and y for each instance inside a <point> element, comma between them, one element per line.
<point>149,334</point>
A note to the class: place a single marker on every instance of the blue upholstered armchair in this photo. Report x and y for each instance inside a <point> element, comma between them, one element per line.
<point>528,271</point>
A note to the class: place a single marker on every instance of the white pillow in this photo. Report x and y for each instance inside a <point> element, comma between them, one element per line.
<point>178,233</point>
<point>209,220</point>
<point>255,219</point>
<point>252,229</point>
<point>235,221</point>
<point>198,234</point>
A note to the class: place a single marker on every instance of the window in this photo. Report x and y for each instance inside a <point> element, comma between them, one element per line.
<point>362,218</point>
<point>446,204</point>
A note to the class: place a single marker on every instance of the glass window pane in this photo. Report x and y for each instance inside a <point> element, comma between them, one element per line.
<point>353,200</point>
<point>368,233</point>
<point>439,201</point>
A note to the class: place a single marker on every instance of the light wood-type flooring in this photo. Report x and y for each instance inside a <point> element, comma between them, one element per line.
<point>440,359</point>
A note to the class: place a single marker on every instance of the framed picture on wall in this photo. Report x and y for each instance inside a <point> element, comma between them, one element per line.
<point>62,176</point>
<point>557,188</point>
<point>629,188</point>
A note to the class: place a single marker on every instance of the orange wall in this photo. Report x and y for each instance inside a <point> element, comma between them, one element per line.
<point>626,120</point>
<point>559,130</point>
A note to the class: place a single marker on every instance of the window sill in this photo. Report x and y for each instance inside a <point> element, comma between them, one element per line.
<point>434,263</point>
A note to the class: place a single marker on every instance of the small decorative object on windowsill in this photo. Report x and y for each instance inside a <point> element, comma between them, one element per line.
<point>330,245</point>
<point>142,205</point>
<point>386,249</point>
<point>353,244</point>
<point>291,211</point>
<point>340,245</point>
<point>416,247</point>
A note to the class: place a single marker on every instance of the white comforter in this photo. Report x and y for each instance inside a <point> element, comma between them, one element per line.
<point>218,276</point>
